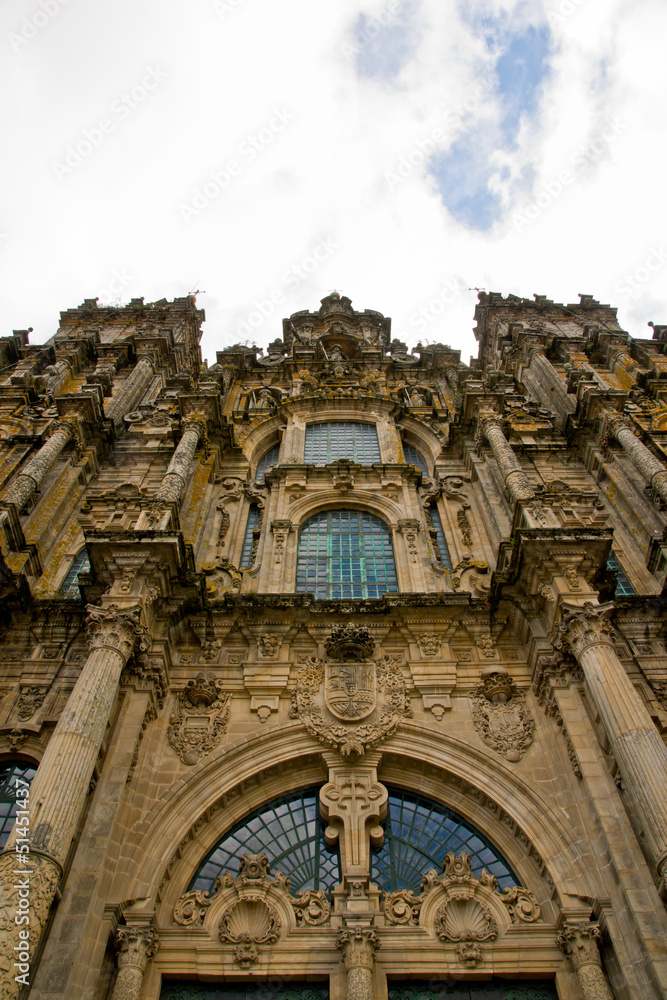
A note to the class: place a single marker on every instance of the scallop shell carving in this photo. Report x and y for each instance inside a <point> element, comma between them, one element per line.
<point>248,923</point>
<point>465,920</point>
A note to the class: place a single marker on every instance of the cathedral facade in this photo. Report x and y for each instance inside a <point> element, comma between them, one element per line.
<point>335,670</point>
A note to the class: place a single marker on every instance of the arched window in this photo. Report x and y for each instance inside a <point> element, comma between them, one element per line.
<point>70,585</point>
<point>290,831</point>
<point>414,458</point>
<point>345,439</point>
<point>439,540</point>
<point>15,777</point>
<point>267,461</point>
<point>623,586</point>
<point>345,554</point>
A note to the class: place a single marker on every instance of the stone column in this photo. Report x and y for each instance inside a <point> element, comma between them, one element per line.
<point>548,388</point>
<point>131,391</point>
<point>41,838</point>
<point>135,945</point>
<point>174,481</point>
<point>516,480</point>
<point>57,375</point>
<point>643,460</point>
<point>358,945</point>
<point>579,941</point>
<point>29,479</point>
<point>638,749</point>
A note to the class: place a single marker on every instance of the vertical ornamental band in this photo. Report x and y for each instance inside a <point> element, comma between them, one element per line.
<point>638,749</point>
<point>40,840</point>
<point>136,945</point>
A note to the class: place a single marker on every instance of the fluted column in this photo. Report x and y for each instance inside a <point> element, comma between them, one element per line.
<point>135,945</point>
<point>638,749</point>
<point>579,941</point>
<point>546,385</point>
<point>57,375</point>
<point>131,391</point>
<point>29,479</point>
<point>41,837</point>
<point>516,480</point>
<point>358,945</point>
<point>174,481</point>
<point>643,460</point>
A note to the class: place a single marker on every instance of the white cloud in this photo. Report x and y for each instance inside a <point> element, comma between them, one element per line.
<point>323,176</point>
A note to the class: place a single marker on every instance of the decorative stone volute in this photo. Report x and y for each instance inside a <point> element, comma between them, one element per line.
<point>585,626</point>
<point>136,945</point>
<point>111,628</point>
<point>358,945</point>
<point>579,941</point>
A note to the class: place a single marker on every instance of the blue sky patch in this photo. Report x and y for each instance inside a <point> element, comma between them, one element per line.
<point>519,70</point>
<point>384,43</point>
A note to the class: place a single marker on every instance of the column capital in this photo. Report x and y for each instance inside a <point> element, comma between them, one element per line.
<point>116,629</point>
<point>578,939</point>
<point>135,945</point>
<point>581,627</point>
<point>358,945</point>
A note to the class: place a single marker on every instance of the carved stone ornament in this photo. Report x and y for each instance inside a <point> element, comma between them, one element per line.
<point>429,644</point>
<point>248,923</point>
<point>579,941</point>
<point>119,630</point>
<point>349,642</point>
<point>465,921</point>
<point>585,626</point>
<point>200,719</point>
<point>351,706</point>
<point>30,699</point>
<point>268,644</point>
<point>311,908</point>
<point>507,725</point>
<point>136,945</point>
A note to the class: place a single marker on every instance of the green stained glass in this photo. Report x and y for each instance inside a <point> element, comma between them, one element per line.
<point>70,585</point>
<point>273,989</point>
<point>345,439</point>
<point>496,989</point>
<point>345,554</point>
<point>623,586</point>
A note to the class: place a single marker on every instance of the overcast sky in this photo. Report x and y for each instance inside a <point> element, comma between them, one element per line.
<point>266,152</point>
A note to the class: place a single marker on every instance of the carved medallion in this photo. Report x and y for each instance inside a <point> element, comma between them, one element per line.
<point>200,719</point>
<point>502,718</point>
<point>331,699</point>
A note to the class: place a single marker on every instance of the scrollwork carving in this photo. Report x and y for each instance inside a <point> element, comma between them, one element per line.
<point>200,718</point>
<point>507,727</point>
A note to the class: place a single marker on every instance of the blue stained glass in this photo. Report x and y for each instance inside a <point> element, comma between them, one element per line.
<point>249,537</point>
<point>345,554</point>
<point>414,458</point>
<point>623,586</point>
<point>344,439</point>
<point>14,774</point>
<point>267,461</point>
<point>440,540</point>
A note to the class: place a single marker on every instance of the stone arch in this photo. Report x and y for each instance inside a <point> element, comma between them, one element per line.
<point>168,845</point>
<point>415,433</point>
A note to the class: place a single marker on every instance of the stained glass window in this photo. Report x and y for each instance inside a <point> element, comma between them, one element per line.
<point>290,832</point>
<point>623,586</point>
<point>70,585</point>
<point>273,989</point>
<point>345,439</point>
<point>249,537</point>
<point>14,775</point>
<point>345,554</point>
<point>418,835</point>
<point>440,540</point>
<point>267,461</point>
<point>495,989</point>
<point>414,458</point>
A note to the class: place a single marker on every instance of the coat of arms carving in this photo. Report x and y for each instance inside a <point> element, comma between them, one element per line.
<point>200,719</point>
<point>502,718</point>
<point>350,706</point>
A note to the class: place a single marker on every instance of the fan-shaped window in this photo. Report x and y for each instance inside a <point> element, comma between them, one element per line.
<point>267,461</point>
<point>70,585</point>
<point>328,442</point>
<point>414,458</point>
<point>15,778</point>
<point>345,554</point>
<point>418,835</point>
<point>250,537</point>
<point>440,540</point>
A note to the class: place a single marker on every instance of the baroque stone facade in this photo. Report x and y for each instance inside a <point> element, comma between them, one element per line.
<point>342,569</point>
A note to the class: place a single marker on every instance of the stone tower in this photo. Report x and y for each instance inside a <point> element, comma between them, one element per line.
<point>335,670</point>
